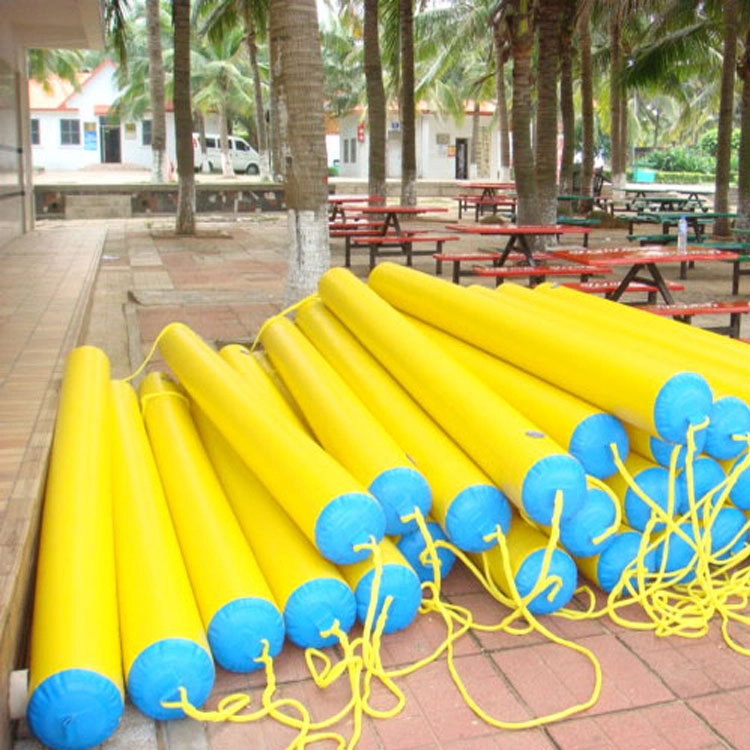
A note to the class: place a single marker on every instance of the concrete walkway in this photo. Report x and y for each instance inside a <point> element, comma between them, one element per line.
<point>115,285</point>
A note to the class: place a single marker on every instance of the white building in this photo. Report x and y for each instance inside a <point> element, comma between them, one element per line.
<point>442,144</point>
<point>73,127</point>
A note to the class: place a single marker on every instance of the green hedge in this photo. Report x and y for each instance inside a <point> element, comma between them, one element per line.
<point>681,177</point>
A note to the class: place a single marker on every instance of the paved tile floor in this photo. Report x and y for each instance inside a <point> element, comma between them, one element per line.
<point>656,692</point>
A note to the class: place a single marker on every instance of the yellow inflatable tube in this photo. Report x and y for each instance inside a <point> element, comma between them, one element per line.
<point>345,428</point>
<point>75,676</point>
<point>585,431</point>
<point>524,462</point>
<point>466,504</point>
<point>164,645</point>
<point>331,507</point>
<point>632,384</point>
<point>310,590</point>
<point>237,607</point>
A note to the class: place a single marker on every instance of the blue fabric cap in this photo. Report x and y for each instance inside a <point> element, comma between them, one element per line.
<point>680,554</point>
<point>654,482</point>
<point>74,709</point>
<point>161,668</point>
<point>237,631</point>
<point>346,521</point>
<point>684,400</point>
<point>562,566</point>
<point>591,440</point>
<point>412,545</point>
<point>399,491</point>
<point>740,492</point>
<point>729,416</point>
<point>398,581</point>
<point>577,534</point>
<point>313,607</point>
<point>543,480</point>
<point>661,450</point>
<point>621,552</point>
<point>473,514</point>
<point>727,534</point>
<point>707,476</point>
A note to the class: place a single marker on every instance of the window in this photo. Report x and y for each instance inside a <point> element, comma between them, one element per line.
<point>70,132</point>
<point>346,151</point>
<point>146,133</point>
<point>35,139</point>
<point>353,151</point>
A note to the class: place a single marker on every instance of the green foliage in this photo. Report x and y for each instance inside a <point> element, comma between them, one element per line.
<point>679,159</point>
<point>708,141</point>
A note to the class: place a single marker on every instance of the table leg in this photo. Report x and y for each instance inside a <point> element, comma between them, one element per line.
<point>507,251</point>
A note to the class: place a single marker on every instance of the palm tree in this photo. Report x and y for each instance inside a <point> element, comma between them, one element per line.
<point>743,172</point>
<point>297,77</point>
<point>376,106</point>
<point>220,18</point>
<point>407,105</point>
<point>587,98</point>
<point>183,118</point>
<point>156,88</point>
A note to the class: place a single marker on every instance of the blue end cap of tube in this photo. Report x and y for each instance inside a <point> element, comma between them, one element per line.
<point>740,492</point>
<point>661,450</point>
<point>399,582</point>
<point>591,440</point>
<point>654,482</point>
<point>708,475</point>
<point>729,416</point>
<point>74,709</point>
<point>728,535</point>
<point>578,534</point>
<point>621,552</point>
<point>237,631</point>
<point>163,667</point>
<point>474,513</point>
<point>411,546</point>
<point>399,491</point>
<point>557,593</point>
<point>676,555</point>
<point>542,482</point>
<point>684,400</point>
<point>346,521</point>
<point>312,609</point>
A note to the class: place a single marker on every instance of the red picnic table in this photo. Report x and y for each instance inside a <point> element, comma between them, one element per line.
<point>392,214</point>
<point>647,258</point>
<point>338,204</point>
<point>518,235</point>
<point>490,189</point>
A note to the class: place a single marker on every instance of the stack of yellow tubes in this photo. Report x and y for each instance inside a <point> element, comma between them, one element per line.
<point>75,676</point>
<point>236,604</point>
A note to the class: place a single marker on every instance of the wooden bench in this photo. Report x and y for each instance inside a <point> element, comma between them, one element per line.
<point>743,248</point>
<point>577,221</point>
<point>456,259</point>
<point>538,274</point>
<point>607,286</point>
<point>379,244</point>
<point>686,312</point>
<point>480,203</point>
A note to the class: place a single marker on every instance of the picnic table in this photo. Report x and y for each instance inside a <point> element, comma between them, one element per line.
<point>338,204</point>
<point>696,220</point>
<point>491,189</point>
<point>518,236</point>
<point>646,259</point>
<point>392,215</point>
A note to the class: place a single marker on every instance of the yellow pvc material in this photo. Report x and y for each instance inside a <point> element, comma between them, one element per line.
<point>221,565</point>
<point>344,426</point>
<point>452,475</point>
<point>500,439</point>
<point>75,630</point>
<point>157,606</point>
<point>260,384</point>
<point>628,382</point>
<point>308,482</point>
<point>288,559</point>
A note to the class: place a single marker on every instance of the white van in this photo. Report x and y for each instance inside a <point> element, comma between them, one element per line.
<point>243,156</point>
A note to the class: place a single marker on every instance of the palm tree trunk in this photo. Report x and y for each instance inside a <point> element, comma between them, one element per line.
<point>260,113</point>
<point>615,99</point>
<point>407,105</point>
<point>376,110</point>
<point>501,57</point>
<point>726,110</point>
<point>547,67</point>
<point>474,147</point>
<point>567,107</point>
<point>298,80</point>
<point>183,118</point>
<point>156,91</point>
<point>587,99</point>
<point>226,159</point>
<point>522,41</point>
<point>743,170</point>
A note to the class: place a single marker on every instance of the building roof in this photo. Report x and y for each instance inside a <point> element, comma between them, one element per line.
<point>55,93</point>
